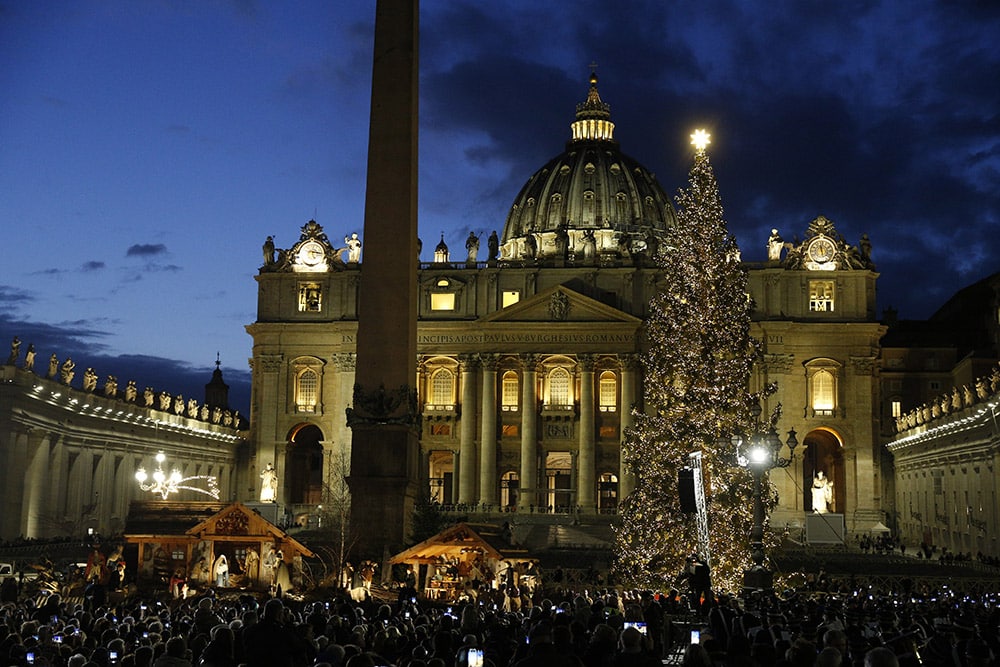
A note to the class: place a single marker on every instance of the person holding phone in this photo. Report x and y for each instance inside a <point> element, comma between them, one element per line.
<point>634,649</point>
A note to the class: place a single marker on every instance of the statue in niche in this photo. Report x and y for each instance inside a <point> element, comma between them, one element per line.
<point>269,251</point>
<point>15,351</point>
<point>822,493</point>
<point>66,372</point>
<point>492,246</point>
<point>29,358</point>
<point>562,242</point>
<point>131,391</point>
<point>775,244</point>
<point>269,484</point>
<point>589,246</point>
<point>530,246</point>
<point>353,248</point>
<point>89,379</point>
<point>472,246</point>
<point>53,366</point>
<point>652,245</point>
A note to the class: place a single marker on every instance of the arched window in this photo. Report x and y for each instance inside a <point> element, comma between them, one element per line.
<point>509,392</point>
<point>306,387</point>
<point>822,376</point>
<point>822,391</point>
<point>608,392</point>
<point>559,388</point>
<point>443,387</point>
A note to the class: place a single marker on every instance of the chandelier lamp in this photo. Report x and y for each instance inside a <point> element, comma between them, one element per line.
<point>163,484</point>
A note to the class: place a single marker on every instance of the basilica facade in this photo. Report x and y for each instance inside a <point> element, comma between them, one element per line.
<point>529,348</point>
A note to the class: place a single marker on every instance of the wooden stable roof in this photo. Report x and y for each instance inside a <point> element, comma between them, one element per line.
<point>234,522</point>
<point>492,541</point>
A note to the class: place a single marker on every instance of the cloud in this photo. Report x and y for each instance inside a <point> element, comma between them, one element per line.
<point>146,250</point>
<point>14,296</point>
<point>92,265</point>
<point>81,340</point>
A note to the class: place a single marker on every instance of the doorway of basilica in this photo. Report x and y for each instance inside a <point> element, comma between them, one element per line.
<point>824,453</point>
<point>304,466</point>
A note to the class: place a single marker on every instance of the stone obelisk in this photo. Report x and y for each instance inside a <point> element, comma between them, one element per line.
<point>384,416</point>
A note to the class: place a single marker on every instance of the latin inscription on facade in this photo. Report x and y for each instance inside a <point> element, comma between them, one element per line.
<point>489,338</point>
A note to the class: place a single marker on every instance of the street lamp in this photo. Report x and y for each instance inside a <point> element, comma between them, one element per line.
<point>163,484</point>
<point>760,453</point>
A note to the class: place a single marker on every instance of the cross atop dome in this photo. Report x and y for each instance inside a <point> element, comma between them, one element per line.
<point>593,117</point>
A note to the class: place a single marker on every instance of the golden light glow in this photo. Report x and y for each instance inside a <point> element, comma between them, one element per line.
<point>700,140</point>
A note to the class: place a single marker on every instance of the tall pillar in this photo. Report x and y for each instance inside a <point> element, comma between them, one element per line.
<point>467,430</point>
<point>35,509</point>
<point>488,434</point>
<point>384,416</point>
<point>626,480</point>
<point>587,470</point>
<point>529,438</point>
<point>15,459</point>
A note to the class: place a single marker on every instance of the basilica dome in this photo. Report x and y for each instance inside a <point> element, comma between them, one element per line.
<point>591,202</point>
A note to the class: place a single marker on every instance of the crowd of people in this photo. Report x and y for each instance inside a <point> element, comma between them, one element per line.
<point>844,623</point>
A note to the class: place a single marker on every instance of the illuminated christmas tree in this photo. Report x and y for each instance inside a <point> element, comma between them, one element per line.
<point>697,367</point>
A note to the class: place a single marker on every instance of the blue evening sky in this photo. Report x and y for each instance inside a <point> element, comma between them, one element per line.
<point>148,148</point>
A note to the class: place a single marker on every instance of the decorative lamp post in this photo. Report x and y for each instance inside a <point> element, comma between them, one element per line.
<point>760,453</point>
<point>164,484</point>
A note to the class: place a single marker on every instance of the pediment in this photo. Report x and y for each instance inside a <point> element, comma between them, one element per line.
<point>561,304</point>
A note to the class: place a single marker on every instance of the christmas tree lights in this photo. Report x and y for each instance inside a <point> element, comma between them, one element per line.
<point>697,363</point>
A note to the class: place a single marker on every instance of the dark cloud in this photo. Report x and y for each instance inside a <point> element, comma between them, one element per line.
<point>93,265</point>
<point>146,250</point>
<point>14,296</point>
<point>81,340</point>
<point>877,117</point>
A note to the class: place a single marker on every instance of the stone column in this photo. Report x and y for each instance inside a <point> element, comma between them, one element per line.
<point>529,438</point>
<point>456,475</point>
<point>267,379</point>
<point>15,460</point>
<point>626,480</point>
<point>467,430</point>
<point>587,464</point>
<point>35,477</point>
<point>488,434</point>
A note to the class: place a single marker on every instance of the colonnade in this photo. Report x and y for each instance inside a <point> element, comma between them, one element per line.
<point>475,460</point>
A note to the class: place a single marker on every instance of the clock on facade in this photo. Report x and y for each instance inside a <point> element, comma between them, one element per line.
<point>821,250</point>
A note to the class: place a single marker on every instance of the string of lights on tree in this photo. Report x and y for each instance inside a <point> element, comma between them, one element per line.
<point>697,363</point>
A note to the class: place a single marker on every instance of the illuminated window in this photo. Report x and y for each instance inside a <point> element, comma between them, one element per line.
<point>897,407</point>
<point>822,386</point>
<point>821,296</point>
<point>310,298</point>
<point>607,492</point>
<point>443,387</point>
<point>559,388</point>
<point>306,390</point>
<point>509,485</point>
<point>442,301</point>
<point>509,395</point>
<point>608,390</point>
<point>509,298</point>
